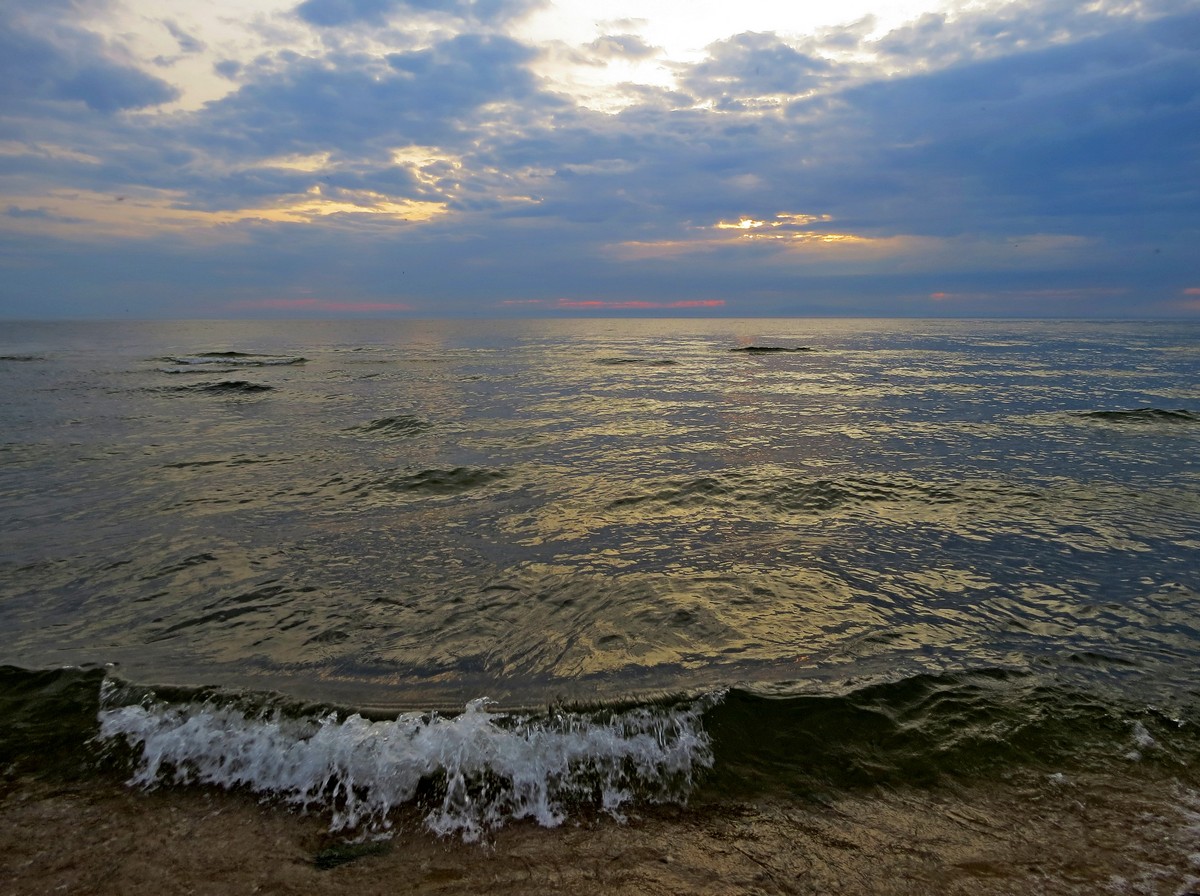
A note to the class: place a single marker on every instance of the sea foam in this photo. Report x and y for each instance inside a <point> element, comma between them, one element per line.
<point>475,771</point>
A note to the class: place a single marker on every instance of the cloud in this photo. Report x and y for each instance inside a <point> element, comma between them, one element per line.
<point>341,13</point>
<point>322,305</point>
<point>227,68</point>
<point>751,65</point>
<point>187,43</point>
<point>14,211</point>
<point>635,304</point>
<point>1054,297</point>
<point>361,104</point>
<point>1022,152</point>
<point>1077,136</point>
<point>621,46</point>
<point>109,88</point>
<point>47,60</point>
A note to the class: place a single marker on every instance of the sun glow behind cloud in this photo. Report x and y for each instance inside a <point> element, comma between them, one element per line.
<point>675,33</point>
<point>788,231</point>
<point>203,50</point>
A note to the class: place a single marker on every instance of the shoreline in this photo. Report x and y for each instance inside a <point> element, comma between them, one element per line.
<point>1132,835</point>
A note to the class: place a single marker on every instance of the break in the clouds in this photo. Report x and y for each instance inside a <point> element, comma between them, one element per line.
<point>342,157</point>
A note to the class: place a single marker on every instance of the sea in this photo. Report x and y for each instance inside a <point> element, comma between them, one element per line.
<point>541,572</point>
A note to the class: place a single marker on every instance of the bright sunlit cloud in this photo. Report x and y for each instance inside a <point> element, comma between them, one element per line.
<point>662,37</point>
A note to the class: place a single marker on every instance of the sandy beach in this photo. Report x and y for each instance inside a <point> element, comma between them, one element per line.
<point>101,838</point>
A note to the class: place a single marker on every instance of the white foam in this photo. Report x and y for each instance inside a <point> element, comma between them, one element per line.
<point>490,767</point>
<point>1142,740</point>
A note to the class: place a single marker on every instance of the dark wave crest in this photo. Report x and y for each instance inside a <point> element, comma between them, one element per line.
<point>1143,416</point>
<point>47,721</point>
<point>636,362</point>
<point>228,387</point>
<point>398,425</point>
<point>235,359</point>
<point>929,728</point>
<point>773,492</point>
<point>770,349</point>
<point>430,482</point>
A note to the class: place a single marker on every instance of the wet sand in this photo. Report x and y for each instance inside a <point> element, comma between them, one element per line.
<point>1138,836</point>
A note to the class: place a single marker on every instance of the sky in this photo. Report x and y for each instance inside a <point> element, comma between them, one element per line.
<point>496,158</point>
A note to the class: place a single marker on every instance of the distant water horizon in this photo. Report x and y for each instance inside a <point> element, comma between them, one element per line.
<point>527,569</point>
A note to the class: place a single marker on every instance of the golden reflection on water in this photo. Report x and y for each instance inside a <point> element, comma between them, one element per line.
<point>603,502</point>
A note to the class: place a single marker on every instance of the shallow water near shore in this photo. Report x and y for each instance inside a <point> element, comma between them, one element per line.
<point>641,580</point>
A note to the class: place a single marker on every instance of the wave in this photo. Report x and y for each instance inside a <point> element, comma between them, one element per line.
<point>639,362</point>
<point>1142,416</point>
<point>21,358</point>
<point>927,728</point>
<point>227,387</point>
<point>234,359</point>
<point>476,770</point>
<point>399,425</point>
<point>430,482</point>
<point>770,349</point>
<point>471,772</point>
<point>771,491</point>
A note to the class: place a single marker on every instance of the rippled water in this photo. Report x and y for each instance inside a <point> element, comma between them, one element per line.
<point>997,524</point>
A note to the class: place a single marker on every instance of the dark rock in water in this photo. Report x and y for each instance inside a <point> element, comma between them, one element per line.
<point>770,349</point>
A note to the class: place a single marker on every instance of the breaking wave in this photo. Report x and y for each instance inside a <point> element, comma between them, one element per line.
<point>471,773</point>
